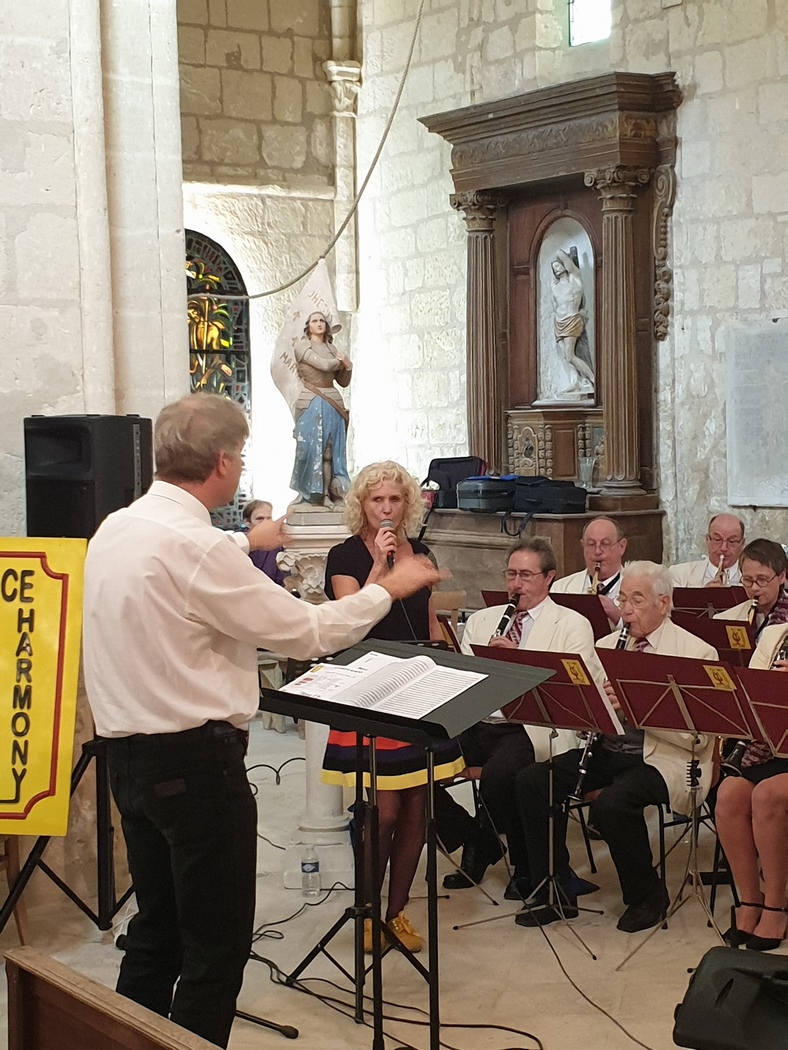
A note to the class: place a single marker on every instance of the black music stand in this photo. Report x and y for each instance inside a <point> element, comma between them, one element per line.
<point>569,700</point>
<point>679,694</point>
<point>108,904</point>
<point>448,720</point>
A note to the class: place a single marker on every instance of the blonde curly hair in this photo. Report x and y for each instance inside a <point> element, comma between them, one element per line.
<point>371,476</point>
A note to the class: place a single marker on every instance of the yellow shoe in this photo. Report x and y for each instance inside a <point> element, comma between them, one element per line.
<point>368,937</point>
<point>403,931</point>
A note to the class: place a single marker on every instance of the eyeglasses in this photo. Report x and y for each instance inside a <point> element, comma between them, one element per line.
<point>525,576</point>
<point>721,541</point>
<point>761,581</point>
<point>637,601</point>
<point>604,545</point>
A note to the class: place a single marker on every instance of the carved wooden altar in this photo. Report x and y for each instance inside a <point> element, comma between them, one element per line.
<point>602,151</point>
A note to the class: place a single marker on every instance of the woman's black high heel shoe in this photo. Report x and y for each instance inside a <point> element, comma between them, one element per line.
<point>734,936</point>
<point>765,944</point>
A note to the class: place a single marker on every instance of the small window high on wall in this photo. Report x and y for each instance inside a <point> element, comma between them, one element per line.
<point>589,20</point>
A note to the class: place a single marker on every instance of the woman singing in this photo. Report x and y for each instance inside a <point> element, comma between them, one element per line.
<point>751,815</point>
<point>385,492</point>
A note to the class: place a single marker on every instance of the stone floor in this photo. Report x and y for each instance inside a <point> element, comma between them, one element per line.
<point>533,981</point>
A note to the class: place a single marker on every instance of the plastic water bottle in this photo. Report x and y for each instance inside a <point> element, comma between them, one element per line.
<point>310,872</point>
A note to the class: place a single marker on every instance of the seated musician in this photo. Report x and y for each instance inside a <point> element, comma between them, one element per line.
<point>763,569</point>
<point>603,544</point>
<point>503,748</point>
<point>751,816</point>
<point>629,772</point>
<point>720,568</point>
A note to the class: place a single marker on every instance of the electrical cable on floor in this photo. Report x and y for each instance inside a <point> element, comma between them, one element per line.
<point>356,200</point>
<point>262,929</point>
<point>277,771</point>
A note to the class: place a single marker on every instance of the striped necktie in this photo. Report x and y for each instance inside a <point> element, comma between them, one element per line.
<point>515,632</point>
<point>641,645</point>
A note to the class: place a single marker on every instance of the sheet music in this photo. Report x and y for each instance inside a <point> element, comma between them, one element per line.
<point>412,687</point>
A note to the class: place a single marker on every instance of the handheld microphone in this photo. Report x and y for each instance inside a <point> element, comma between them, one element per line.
<point>387,523</point>
<point>506,619</point>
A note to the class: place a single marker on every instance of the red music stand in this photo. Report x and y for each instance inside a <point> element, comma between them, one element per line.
<point>572,701</point>
<point>706,601</point>
<point>670,693</point>
<point>589,606</point>
<point>767,696</point>
<point>734,640</point>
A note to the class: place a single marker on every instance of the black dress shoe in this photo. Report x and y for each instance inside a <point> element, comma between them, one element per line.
<point>544,914</point>
<point>480,851</point>
<point>581,887</point>
<point>645,914</point>
<point>764,944</point>
<point>734,936</point>
<point>518,888</point>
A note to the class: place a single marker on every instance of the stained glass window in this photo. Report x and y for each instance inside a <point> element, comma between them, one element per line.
<point>219,343</point>
<point>589,20</point>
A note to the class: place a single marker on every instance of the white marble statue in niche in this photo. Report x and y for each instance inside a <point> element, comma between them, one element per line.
<point>565,310</point>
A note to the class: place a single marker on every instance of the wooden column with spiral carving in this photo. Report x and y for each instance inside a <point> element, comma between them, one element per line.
<point>483,373</point>
<point>618,351</point>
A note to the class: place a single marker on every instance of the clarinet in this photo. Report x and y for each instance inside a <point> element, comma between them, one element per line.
<point>753,609</point>
<point>732,764</point>
<point>594,586</point>
<point>591,738</point>
<point>506,619</point>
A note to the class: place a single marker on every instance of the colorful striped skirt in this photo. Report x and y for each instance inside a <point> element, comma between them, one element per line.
<point>400,765</point>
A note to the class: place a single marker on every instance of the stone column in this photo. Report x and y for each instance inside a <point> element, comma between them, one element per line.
<point>618,352</point>
<point>484,407</point>
<point>345,80</point>
<point>141,88</point>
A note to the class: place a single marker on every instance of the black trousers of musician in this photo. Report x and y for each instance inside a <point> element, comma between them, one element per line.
<point>190,824</point>
<point>629,785</point>
<point>502,750</point>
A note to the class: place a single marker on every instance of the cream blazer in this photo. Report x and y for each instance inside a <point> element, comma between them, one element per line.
<point>769,642</point>
<point>555,630</point>
<point>668,752</point>
<point>736,612</point>
<point>689,573</point>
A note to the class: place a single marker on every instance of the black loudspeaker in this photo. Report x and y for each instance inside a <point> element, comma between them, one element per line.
<point>79,469</point>
<point>736,1000</point>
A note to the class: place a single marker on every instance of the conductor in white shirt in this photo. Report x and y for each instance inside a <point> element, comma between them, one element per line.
<point>720,567</point>
<point>174,611</point>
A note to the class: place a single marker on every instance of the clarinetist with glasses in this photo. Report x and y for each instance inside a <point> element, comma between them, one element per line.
<point>751,817</point>
<point>720,568</point>
<point>763,571</point>
<point>531,620</point>
<point>625,773</point>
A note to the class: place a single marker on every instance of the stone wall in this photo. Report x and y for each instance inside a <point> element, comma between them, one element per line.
<point>255,102</point>
<point>729,229</point>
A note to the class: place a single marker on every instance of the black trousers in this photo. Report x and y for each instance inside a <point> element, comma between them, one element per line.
<point>502,750</point>
<point>629,785</point>
<point>190,823</point>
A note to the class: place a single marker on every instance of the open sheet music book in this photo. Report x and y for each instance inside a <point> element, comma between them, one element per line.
<point>378,682</point>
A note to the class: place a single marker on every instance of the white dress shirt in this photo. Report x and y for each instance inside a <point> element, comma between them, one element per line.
<point>174,612</point>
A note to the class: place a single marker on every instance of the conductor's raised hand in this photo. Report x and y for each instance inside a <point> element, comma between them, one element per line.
<point>410,575</point>
<point>267,535</point>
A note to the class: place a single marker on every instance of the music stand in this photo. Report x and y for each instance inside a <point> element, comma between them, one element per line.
<point>569,700</point>
<point>495,598</point>
<point>767,696</point>
<point>734,640</point>
<point>706,601</point>
<point>448,719</point>
<point>679,694</point>
<point>589,607</point>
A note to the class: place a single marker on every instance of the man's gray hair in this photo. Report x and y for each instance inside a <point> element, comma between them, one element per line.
<point>190,433</point>
<point>658,576</point>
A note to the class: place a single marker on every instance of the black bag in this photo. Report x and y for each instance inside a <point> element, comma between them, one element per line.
<point>486,494</point>
<point>446,473</point>
<point>735,1001</point>
<point>540,495</point>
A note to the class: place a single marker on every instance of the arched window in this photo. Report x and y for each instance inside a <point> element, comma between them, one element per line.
<point>219,360</point>
<point>589,20</point>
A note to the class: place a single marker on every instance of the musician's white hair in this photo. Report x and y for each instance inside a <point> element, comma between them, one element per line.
<point>658,576</point>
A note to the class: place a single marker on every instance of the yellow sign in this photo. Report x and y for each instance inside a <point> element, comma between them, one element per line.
<point>575,672</point>
<point>737,637</point>
<point>720,678</point>
<point>40,626</point>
